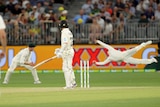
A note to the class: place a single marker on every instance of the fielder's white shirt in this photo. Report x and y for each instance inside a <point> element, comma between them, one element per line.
<point>23,56</point>
<point>66,39</point>
<point>2,24</point>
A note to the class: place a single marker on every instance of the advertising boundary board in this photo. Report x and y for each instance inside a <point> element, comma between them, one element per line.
<point>82,52</point>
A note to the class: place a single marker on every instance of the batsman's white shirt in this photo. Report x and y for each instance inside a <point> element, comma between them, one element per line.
<point>66,39</point>
<point>2,24</point>
<point>23,56</point>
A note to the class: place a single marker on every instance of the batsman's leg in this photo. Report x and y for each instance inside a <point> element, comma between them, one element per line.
<point>67,73</point>
<point>34,74</point>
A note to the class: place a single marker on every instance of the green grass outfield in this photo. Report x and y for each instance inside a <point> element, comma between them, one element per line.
<point>130,89</point>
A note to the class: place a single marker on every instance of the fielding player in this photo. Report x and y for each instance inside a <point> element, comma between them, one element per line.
<point>23,59</point>
<point>67,53</point>
<point>126,56</point>
<point>2,37</point>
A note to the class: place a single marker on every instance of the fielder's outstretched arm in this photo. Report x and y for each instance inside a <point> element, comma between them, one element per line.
<point>105,45</point>
<point>103,62</point>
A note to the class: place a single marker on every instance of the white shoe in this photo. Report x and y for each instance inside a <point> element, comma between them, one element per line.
<point>74,85</point>
<point>37,82</point>
<point>67,88</point>
<point>5,82</point>
<point>154,60</point>
<point>148,42</point>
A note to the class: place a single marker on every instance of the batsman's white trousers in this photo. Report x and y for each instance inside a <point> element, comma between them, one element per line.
<point>16,64</point>
<point>69,75</point>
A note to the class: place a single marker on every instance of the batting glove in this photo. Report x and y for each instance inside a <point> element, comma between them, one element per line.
<point>59,55</point>
<point>56,51</point>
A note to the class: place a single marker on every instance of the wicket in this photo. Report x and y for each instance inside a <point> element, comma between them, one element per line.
<point>84,74</point>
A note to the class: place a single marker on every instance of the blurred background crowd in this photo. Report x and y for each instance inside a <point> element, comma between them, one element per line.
<point>112,21</point>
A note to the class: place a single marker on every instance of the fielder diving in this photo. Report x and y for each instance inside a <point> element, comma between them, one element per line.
<point>126,56</point>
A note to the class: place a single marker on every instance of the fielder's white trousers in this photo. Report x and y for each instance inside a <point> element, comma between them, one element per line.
<point>13,67</point>
<point>126,56</point>
<point>69,75</point>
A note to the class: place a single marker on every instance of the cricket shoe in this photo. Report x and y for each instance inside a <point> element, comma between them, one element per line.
<point>5,82</point>
<point>37,82</point>
<point>67,88</point>
<point>146,43</point>
<point>154,60</point>
<point>74,85</point>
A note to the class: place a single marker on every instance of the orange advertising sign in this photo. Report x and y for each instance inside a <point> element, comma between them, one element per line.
<point>82,52</point>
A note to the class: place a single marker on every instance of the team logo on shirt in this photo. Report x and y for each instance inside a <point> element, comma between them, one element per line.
<point>65,39</point>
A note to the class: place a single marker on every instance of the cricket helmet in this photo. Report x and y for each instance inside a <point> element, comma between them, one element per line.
<point>63,24</point>
<point>31,45</point>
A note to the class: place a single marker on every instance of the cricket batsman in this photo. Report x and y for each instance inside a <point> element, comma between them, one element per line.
<point>66,52</point>
<point>126,56</point>
<point>23,59</point>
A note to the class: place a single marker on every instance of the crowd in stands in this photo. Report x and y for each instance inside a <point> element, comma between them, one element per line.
<point>101,18</point>
<point>103,15</point>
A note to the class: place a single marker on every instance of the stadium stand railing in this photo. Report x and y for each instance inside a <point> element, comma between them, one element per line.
<point>48,33</point>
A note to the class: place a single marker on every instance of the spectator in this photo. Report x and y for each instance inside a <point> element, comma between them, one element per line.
<point>28,7</point>
<point>142,6</point>
<point>94,31</point>
<point>157,13</point>
<point>34,15</point>
<point>114,19</point>
<point>104,13</point>
<point>120,5</point>
<point>16,10</point>
<point>131,7</point>
<point>22,19</point>
<point>101,4</point>
<point>119,31</point>
<point>108,31</point>
<point>53,16</point>
<point>81,17</point>
<point>24,3</point>
<point>143,19</point>
<point>49,8</point>
<point>115,13</point>
<point>7,14</point>
<point>87,7</point>
<point>109,9</point>
<point>153,4</point>
<point>94,1</point>
<point>32,19</point>
<point>10,5</point>
<point>100,21</point>
<point>23,12</point>
<point>121,17</point>
<point>150,13</point>
<point>95,9</point>
<point>127,13</point>
<point>63,15</point>
<point>40,8</point>
<point>11,2</point>
<point>2,7</point>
